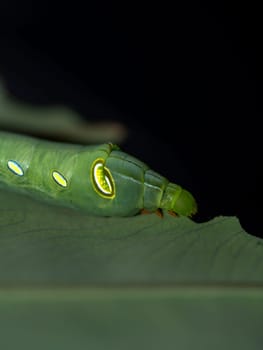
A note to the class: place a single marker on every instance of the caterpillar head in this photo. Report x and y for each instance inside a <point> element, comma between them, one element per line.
<point>179,201</point>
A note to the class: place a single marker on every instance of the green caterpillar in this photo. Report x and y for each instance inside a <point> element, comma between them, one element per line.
<point>101,180</point>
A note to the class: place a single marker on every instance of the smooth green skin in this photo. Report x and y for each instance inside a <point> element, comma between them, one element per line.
<point>137,187</point>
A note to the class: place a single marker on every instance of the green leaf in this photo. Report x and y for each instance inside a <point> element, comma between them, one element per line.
<point>59,246</point>
<point>55,122</point>
<point>70,281</point>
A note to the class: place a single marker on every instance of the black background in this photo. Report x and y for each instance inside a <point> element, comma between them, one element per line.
<point>186,81</point>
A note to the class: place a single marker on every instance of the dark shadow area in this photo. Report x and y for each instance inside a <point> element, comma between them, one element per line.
<point>187,82</point>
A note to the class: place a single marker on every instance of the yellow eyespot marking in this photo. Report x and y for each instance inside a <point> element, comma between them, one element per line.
<point>60,179</point>
<point>15,168</point>
<point>102,179</point>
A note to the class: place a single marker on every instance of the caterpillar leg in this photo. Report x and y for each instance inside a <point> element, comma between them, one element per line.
<point>172,213</point>
<point>158,212</point>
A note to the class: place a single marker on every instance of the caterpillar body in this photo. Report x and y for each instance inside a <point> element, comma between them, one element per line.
<point>101,180</point>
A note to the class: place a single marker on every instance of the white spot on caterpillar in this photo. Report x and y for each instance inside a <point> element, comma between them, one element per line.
<point>15,168</point>
<point>60,179</point>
